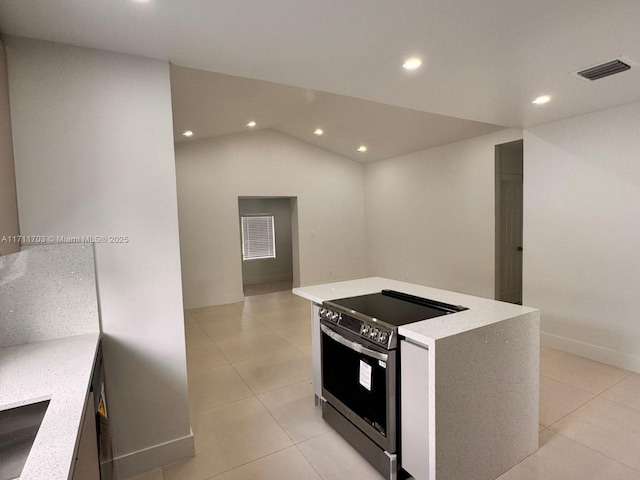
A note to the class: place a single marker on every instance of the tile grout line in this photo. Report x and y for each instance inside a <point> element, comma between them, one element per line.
<point>247,463</point>
<point>570,412</point>
<point>582,389</point>
<point>307,459</point>
<point>256,395</point>
<point>594,450</point>
<point>618,382</point>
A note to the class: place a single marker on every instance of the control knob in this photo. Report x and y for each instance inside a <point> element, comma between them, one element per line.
<point>384,336</point>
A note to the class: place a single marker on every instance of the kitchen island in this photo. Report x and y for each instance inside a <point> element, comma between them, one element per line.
<point>469,381</point>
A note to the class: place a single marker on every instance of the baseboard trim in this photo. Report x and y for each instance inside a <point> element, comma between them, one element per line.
<point>268,279</point>
<point>142,461</point>
<point>593,352</point>
<point>217,300</point>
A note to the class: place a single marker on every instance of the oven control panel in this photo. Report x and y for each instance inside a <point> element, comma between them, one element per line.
<point>373,333</point>
<point>376,334</point>
<point>330,315</point>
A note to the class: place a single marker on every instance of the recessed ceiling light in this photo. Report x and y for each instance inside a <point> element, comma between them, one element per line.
<point>412,63</point>
<point>542,99</point>
<point>251,124</point>
<point>187,133</point>
<point>319,132</point>
<point>362,148</point>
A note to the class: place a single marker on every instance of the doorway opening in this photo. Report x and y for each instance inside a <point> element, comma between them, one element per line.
<point>509,210</point>
<point>269,244</point>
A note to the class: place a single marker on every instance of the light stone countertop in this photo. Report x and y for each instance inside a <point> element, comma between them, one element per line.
<point>60,371</point>
<point>482,311</point>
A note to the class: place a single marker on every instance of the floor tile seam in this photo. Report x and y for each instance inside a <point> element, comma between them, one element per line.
<point>237,305</point>
<point>266,325</point>
<point>213,309</point>
<point>636,409</point>
<point>207,370</point>
<point>238,336</point>
<point>617,383</point>
<point>247,463</point>
<point>574,386</point>
<point>294,326</point>
<point>301,348</point>
<point>275,419</point>
<point>290,343</point>
<point>247,384</point>
<point>307,458</point>
<point>224,404</point>
<point>256,319</point>
<point>243,381</point>
<point>277,388</point>
<point>311,437</point>
<point>303,355</point>
<point>594,450</point>
<point>572,411</point>
<point>577,357</point>
<point>232,362</point>
<point>205,332</point>
<point>207,321</point>
<point>291,326</point>
<point>245,336</point>
<point>284,386</point>
<point>270,353</point>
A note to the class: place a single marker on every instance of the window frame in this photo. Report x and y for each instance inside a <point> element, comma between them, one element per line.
<point>269,237</point>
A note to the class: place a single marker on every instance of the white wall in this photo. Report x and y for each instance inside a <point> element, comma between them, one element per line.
<point>94,156</point>
<point>276,269</point>
<point>213,173</point>
<point>582,233</point>
<point>430,215</point>
<point>8,205</point>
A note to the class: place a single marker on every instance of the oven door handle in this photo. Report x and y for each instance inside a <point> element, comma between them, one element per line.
<point>355,346</point>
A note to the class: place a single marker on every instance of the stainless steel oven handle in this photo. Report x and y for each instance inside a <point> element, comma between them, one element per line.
<point>353,345</point>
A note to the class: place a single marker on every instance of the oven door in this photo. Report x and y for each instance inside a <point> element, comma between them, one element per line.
<point>359,380</point>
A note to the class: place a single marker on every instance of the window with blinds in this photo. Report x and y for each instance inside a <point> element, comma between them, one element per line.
<point>258,237</point>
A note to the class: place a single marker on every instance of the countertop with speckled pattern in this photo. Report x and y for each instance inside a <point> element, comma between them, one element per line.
<point>58,370</point>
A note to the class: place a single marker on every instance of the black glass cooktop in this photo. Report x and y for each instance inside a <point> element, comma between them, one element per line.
<point>396,308</point>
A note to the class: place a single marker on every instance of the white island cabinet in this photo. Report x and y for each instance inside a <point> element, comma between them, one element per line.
<point>468,381</point>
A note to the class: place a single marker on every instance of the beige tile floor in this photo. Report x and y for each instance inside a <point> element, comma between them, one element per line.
<point>253,414</point>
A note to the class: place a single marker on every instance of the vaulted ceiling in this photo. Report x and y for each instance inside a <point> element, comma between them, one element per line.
<point>483,61</point>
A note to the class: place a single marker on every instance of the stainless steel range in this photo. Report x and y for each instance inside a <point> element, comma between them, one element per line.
<point>360,369</point>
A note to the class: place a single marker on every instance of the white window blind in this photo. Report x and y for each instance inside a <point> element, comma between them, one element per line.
<point>258,237</point>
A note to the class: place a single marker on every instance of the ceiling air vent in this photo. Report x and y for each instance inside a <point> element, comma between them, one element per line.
<point>605,69</point>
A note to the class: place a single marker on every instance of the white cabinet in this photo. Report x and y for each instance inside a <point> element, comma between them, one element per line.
<point>414,410</point>
<point>315,351</point>
<point>86,462</point>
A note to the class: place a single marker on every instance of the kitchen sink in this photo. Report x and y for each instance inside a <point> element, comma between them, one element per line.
<point>18,429</point>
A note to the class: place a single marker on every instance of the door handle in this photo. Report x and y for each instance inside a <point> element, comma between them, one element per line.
<point>519,249</point>
<point>356,347</point>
